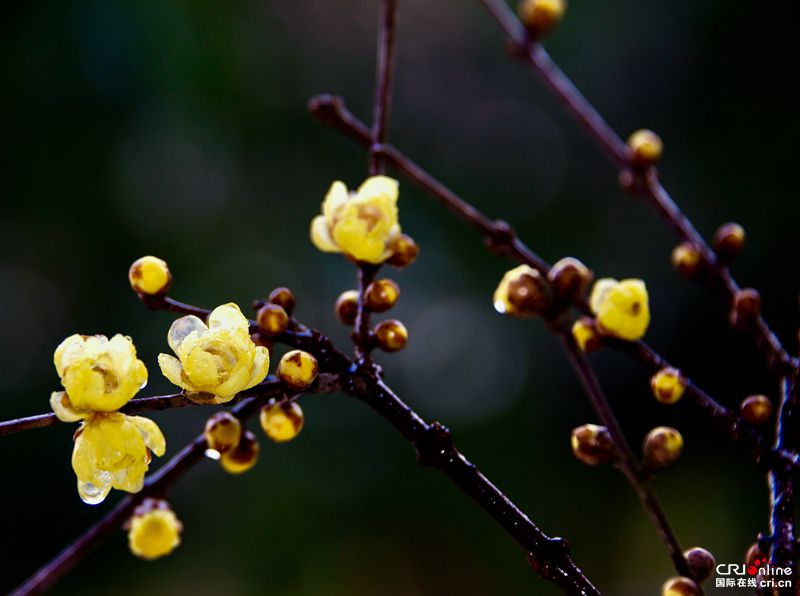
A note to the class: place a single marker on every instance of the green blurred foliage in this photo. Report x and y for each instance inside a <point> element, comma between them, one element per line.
<point>180,129</point>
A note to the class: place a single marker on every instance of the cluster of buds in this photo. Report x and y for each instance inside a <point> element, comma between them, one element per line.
<point>379,296</point>
<point>526,293</point>
<point>273,316</point>
<point>689,260</point>
<point>229,442</point>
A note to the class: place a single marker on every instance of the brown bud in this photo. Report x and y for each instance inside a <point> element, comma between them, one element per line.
<point>701,562</point>
<point>272,320</point>
<point>404,251</point>
<point>242,457</point>
<point>347,307</point>
<point>541,16</point>
<point>592,444</point>
<point>729,240</point>
<point>283,297</point>
<point>662,447</point>
<point>645,148</point>
<point>569,278</point>
<point>679,586</point>
<point>222,432</point>
<point>746,305</point>
<point>756,409</point>
<point>687,260</point>
<point>522,292</point>
<point>391,335</point>
<point>381,295</point>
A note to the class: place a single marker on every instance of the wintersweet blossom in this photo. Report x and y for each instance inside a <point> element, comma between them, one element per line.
<point>215,361</point>
<point>361,224</point>
<point>621,308</point>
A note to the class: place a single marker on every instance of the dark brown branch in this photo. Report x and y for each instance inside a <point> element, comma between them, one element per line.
<point>616,150</point>
<point>626,460</point>
<point>782,540</point>
<point>361,330</point>
<point>135,406</point>
<point>549,557</point>
<point>384,76</point>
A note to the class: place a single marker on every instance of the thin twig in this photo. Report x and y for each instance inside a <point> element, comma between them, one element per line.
<point>384,77</point>
<point>783,544</point>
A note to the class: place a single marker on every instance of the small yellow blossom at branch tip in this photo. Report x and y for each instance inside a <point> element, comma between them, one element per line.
<point>621,307</point>
<point>150,276</point>
<point>154,531</point>
<point>215,361</point>
<point>363,224</point>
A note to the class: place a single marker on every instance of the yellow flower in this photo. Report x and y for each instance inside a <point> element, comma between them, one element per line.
<point>154,532</point>
<point>361,224</point>
<point>217,361</point>
<point>99,375</point>
<point>621,307</point>
<point>113,451</point>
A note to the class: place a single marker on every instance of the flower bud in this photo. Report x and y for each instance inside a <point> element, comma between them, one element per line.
<point>679,586</point>
<point>522,292</point>
<point>569,278</point>
<point>282,297</point>
<point>150,276</point>
<point>222,432</point>
<point>381,295</point>
<point>347,307</point>
<point>662,447</point>
<point>404,251</point>
<point>586,336</point>
<point>687,260</point>
<point>541,16</point>
<point>746,305</point>
<point>756,409</point>
<point>668,385</point>
<point>297,369</point>
<point>154,530</point>
<point>701,562</point>
<point>272,320</point>
<point>592,444</point>
<point>391,335</point>
<point>281,422</point>
<point>729,240</point>
<point>645,148</point>
<point>243,457</point>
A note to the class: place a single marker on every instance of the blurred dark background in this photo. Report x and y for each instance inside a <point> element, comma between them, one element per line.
<point>180,129</point>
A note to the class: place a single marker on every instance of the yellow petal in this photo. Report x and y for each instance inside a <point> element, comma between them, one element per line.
<point>183,328</point>
<point>229,317</point>
<point>336,197</point>
<point>260,367</point>
<point>320,235</point>
<point>65,351</point>
<point>152,435</point>
<point>599,291</point>
<point>379,186</point>
<point>172,369</point>
<point>63,408</point>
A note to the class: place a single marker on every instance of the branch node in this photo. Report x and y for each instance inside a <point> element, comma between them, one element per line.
<point>434,446</point>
